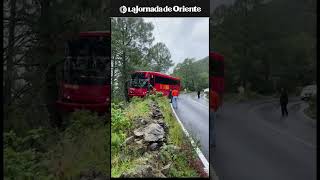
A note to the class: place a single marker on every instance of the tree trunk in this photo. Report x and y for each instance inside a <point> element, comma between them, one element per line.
<point>124,78</point>
<point>113,71</point>
<point>9,64</point>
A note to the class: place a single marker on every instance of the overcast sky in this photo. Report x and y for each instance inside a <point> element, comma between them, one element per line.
<point>184,37</point>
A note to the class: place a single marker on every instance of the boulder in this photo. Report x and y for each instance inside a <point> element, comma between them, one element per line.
<point>128,141</point>
<point>153,146</point>
<point>138,141</point>
<point>141,122</point>
<point>138,132</point>
<point>157,114</point>
<point>165,170</point>
<point>153,133</point>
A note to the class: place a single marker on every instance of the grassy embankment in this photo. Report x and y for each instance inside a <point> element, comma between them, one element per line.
<point>123,117</point>
<point>49,154</point>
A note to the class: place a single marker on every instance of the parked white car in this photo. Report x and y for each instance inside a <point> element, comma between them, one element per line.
<point>308,92</point>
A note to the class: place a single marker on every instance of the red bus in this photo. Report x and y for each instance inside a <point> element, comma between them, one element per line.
<point>85,82</point>
<point>216,79</point>
<point>143,82</point>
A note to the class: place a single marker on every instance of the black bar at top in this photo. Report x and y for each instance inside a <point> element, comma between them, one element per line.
<point>170,8</point>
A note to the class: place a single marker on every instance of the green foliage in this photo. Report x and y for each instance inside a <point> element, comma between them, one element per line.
<point>168,153</point>
<point>139,109</point>
<point>136,99</point>
<point>120,122</point>
<point>155,95</point>
<point>22,155</point>
<point>23,165</point>
<point>159,58</point>
<point>44,154</point>
<point>116,140</point>
<point>88,150</point>
<point>83,119</point>
<point>194,74</point>
<point>159,94</point>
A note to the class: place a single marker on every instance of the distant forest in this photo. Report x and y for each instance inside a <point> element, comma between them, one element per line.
<point>267,44</point>
<point>194,74</point>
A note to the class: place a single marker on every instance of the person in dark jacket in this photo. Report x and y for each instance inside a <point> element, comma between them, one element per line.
<point>198,94</point>
<point>284,102</point>
<point>170,95</point>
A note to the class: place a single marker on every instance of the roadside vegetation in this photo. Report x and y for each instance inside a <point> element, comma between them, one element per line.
<point>82,149</point>
<point>311,111</point>
<point>174,158</point>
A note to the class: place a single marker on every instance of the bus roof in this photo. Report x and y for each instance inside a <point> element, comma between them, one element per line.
<point>95,33</point>
<point>216,56</point>
<point>158,74</point>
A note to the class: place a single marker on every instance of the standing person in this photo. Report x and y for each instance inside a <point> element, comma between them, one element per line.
<point>175,94</point>
<point>198,94</point>
<point>170,95</point>
<point>284,102</point>
<point>214,105</point>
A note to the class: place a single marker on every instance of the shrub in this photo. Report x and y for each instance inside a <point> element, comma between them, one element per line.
<point>80,120</point>
<point>119,122</point>
<point>22,156</point>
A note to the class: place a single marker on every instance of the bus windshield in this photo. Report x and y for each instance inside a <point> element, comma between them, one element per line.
<point>216,68</point>
<point>138,80</point>
<point>87,61</point>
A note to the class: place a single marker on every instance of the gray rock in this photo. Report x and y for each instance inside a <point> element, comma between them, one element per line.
<point>160,121</point>
<point>157,114</point>
<point>153,146</point>
<point>139,141</point>
<point>153,133</point>
<point>138,132</point>
<point>142,171</point>
<point>165,170</point>
<point>141,122</point>
<point>129,140</point>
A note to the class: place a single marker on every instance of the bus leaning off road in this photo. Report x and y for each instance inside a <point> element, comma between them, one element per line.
<point>144,82</point>
<point>85,82</point>
<point>216,66</point>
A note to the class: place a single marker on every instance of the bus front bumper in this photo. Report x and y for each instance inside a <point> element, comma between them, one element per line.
<point>136,95</point>
<point>69,107</point>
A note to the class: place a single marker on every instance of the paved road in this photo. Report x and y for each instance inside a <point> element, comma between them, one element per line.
<point>255,143</point>
<point>194,114</point>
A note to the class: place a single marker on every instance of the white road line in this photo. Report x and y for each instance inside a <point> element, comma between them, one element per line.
<point>200,154</point>
<point>283,132</point>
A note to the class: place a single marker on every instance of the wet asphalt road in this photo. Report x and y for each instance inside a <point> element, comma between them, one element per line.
<point>253,142</point>
<point>194,114</point>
